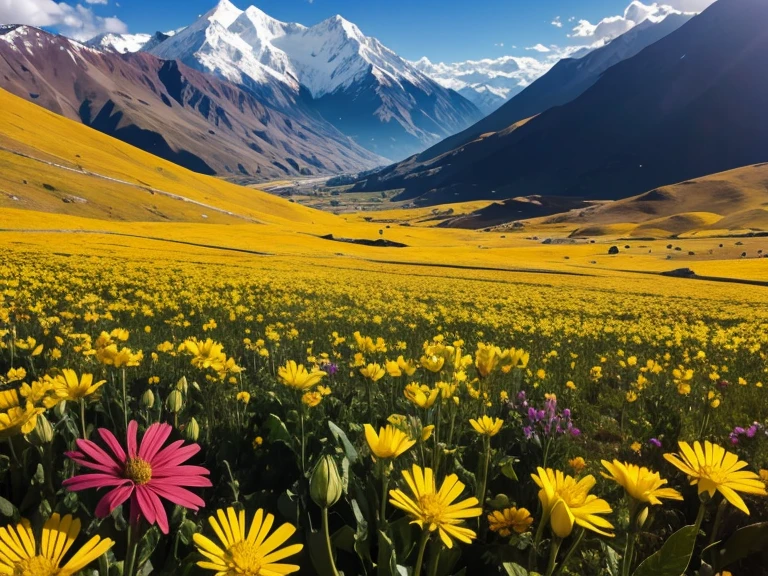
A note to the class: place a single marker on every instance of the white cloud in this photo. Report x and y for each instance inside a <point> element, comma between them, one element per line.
<point>556,22</point>
<point>613,26</point>
<point>499,44</point>
<point>538,48</point>
<point>78,22</point>
<point>97,1</point>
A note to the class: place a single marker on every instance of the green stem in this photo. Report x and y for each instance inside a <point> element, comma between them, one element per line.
<point>384,488</point>
<point>554,548</point>
<point>629,547</point>
<point>303,460</point>
<point>546,453</point>
<point>571,551</point>
<point>436,449</point>
<point>434,561</point>
<point>133,546</point>
<point>327,538</point>
<point>82,418</point>
<point>700,516</point>
<point>420,557</point>
<point>532,555</point>
<point>484,471</point>
<point>125,406</point>
<point>718,520</point>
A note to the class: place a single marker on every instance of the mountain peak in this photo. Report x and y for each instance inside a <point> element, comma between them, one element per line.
<point>225,13</point>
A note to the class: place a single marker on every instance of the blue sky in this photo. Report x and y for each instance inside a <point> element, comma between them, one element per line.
<point>442,30</point>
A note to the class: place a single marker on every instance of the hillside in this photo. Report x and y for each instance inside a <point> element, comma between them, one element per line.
<point>647,122</point>
<point>726,203</point>
<point>193,119</point>
<point>51,164</point>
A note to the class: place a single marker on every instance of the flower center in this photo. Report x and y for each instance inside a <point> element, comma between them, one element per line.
<point>432,509</point>
<point>36,566</point>
<point>138,470</point>
<point>245,559</point>
<point>711,477</point>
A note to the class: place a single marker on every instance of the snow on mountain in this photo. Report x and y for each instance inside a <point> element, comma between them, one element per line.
<point>402,110</point>
<point>120,43</point>
<point>488,83</point>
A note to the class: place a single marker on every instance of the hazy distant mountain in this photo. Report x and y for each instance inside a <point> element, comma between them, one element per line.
<point>195,119</point>
<point>356,83</point>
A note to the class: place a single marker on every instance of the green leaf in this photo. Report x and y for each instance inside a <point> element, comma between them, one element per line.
<point>611,559</point>
<point>277,432</point>
<point>674,556</point>
<point>386,562</point>
<point>508,468</point>
<point>513,569</point>
<point>147,545</point>
<point>341,437</point>
<point>744,542</point>
<point>187,530</point>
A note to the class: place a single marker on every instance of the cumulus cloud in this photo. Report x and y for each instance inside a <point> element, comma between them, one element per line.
<point>556,22</point>
<point>538,48</point>
<point>78,22</point>
<point>613,26</point>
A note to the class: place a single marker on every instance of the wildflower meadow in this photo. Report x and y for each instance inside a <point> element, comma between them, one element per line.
<point>165,416</point>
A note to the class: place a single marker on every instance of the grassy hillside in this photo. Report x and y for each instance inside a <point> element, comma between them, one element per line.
<point>30,130</point>
<point>730,202</point>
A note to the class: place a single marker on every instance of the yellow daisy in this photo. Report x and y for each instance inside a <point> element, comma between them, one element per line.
<point>640,483</point>
<point>714,469</point>
<point>254,554</point>
<point>389,443</point>
<point>19,554</point>
<point>487,426</point>
<point>434,509</point>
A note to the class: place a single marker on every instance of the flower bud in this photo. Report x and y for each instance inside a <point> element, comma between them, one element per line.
<point>43,432</point>
<point>325,484</point>
<point>174,402</point>
<point>192,430</point>
<point>182,385</point>
<point>60,410</point>
<point>642,517</point>
<point>148,399</point>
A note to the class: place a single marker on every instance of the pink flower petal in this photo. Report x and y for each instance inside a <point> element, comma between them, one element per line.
<point>85,481</point>
<point>153,440</point>
<point>83,461</point>
<point>145,504</point>
<point>177,495</point>
<point>98,455</point>
<point>114,445</point>
<point>192,481</point>
<point>133,428</point>
<point>162,518</point>
<point>172,455</point>
<point>113,499</point>
<point>179,472</point>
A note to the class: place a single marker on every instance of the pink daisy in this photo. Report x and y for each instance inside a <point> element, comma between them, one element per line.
<point>145,475</point>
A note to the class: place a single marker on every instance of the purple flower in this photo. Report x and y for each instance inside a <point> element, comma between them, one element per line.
<point>331,368</point>
<point>751,431</point>
<point>738,430</point>
<point>574,431</point>
<point>655,442</point>
<point>528,431</point>
<point>567,413</point>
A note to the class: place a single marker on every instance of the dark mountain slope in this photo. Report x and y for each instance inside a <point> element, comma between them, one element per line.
<point>691,104</point>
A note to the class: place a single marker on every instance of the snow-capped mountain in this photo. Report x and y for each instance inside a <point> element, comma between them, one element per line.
<point>487,83</point>
<point>355,82</point>
<point>120,43</point>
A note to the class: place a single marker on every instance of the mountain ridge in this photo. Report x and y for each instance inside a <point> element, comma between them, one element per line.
<point>196,120</point>
<point>646,122</point>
